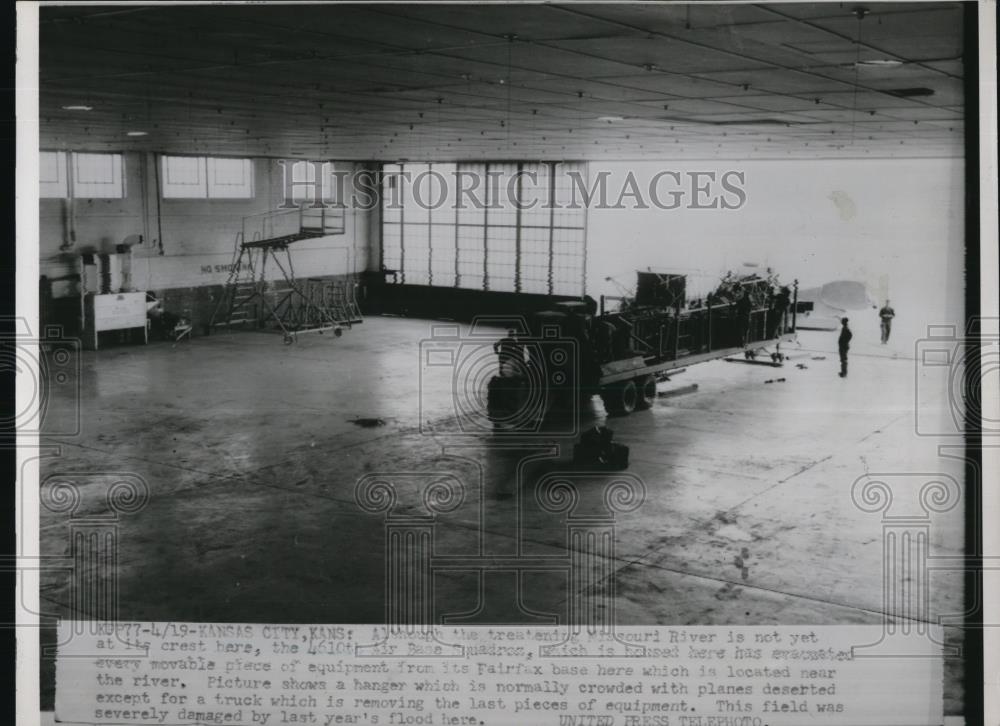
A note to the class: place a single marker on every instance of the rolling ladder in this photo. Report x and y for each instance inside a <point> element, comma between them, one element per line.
<point>286,304</point>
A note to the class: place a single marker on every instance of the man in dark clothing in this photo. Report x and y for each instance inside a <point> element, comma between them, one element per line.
<point>843,344</point>
<point>511,354</point>
<point>886,314</point>
<point>776,315</point>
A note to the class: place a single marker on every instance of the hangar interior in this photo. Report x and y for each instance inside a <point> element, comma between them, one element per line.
<point>166,139</point>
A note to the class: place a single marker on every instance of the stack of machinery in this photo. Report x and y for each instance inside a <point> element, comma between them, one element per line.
<point>620,355</point>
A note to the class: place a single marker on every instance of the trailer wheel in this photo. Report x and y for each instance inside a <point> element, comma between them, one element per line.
<point>620,398</point>
<point>646,389</point>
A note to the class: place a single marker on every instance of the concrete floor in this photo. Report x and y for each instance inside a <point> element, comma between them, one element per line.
<point>251,459</point>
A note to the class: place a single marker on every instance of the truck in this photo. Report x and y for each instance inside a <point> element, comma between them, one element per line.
<point>576,350</point>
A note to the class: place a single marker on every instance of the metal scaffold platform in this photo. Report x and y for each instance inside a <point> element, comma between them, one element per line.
<point>255,296</point>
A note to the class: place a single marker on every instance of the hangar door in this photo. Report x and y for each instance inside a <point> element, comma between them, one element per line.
<point>505,226</point>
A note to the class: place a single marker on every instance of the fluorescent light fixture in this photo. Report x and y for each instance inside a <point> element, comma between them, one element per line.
<point>609,119</point>
<point>136,133</point>
<point>880,63</point>
<point>78,107</point>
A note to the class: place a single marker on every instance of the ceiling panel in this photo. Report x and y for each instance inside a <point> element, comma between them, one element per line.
<point>664,84</point>
<point>774,103</point>
<point>554,60</point>
<point>779,81</point>
<point>528,22</point>
<point>653,51</point>
<point>671,19</point>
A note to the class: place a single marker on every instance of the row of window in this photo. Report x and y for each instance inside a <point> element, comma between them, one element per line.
<point>94,176</point>
<point>78,175</point>
<point>206,177</point>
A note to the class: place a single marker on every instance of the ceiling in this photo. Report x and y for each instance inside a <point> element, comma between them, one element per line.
<point>443,82</point>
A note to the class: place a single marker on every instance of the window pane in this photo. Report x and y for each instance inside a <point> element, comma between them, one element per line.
<point>570,211</point>
<point>535,180</point>
<point>417,193</point>
<point>391,249</point>
<point>470,190</point>
<point>443,193</point>
<point>501,258</point>
<point>305,188</point>
<point>501,193</point>
<point>416,253</point>
<point>470,257</point>
<point>230,178</point>
<point>392,201</point>
<point>534,241</point>
<point>443,254</point>
<point>98,176</point>
<point>184,177</point>
<point>52,174</point>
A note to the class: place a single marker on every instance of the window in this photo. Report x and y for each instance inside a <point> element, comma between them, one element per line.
<point>94,176</point>
<point>303,186</point>
<point>459,225</point>
<point>184,177</point>
<point>230,178</point>
<point>98,176</point>
<point>52,175</point>
<point>206,177</point>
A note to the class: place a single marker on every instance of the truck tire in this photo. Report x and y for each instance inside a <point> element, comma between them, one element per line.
<point>646,387</point>
<point>620,398</point>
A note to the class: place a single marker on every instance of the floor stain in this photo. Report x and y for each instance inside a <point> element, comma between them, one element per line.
<point>729,591</point>
<point>368,423</point>
<point>740,561</point>
<point>845,205</point>
<point>726,517</point>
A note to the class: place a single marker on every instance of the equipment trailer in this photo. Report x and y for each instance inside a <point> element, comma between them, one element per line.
<point>575,353</point>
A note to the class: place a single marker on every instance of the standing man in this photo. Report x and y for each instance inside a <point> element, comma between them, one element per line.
<point>843,344</point>
<point>886,314</point>
<point>776,315</point>
<point>511,354</point>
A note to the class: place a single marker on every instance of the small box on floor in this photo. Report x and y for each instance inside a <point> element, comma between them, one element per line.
<point>596,448</point>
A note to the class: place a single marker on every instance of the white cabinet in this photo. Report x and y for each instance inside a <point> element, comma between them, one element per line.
<point>115,311</point>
